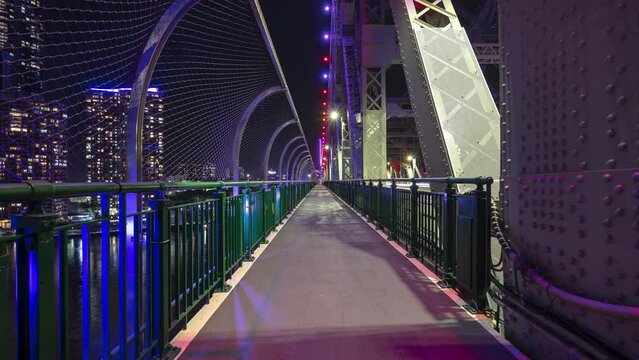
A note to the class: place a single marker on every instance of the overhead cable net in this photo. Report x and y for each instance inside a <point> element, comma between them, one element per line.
<point>53,54</point>
<point>214,65</point>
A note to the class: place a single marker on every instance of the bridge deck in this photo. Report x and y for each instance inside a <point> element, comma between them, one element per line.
<point>329,287</point>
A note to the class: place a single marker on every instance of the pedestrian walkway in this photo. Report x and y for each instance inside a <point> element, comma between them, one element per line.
<point>329,287</point>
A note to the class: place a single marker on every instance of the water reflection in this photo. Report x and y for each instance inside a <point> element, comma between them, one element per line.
<point>74,250</point>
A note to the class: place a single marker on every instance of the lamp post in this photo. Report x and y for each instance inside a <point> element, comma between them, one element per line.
<point>413,165</point>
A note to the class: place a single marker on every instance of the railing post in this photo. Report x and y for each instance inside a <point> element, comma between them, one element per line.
<point>221,240</point>
<point>378,204</point>
<point>264,209</point>
<point>247,224</point>
<point>393,214</point>
<point>369,205</point>
<point>36,286</point>
<point>275,210</point>
<point>278,202</point>
<point>161,298</point>
<point>287,196</point>
<point>412,243</point>
<point>449,232</point>
<point>482,271</point>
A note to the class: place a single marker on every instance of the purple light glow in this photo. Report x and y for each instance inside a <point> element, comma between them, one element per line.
<point>327,8</point>
<point>326,36</point>
<point>325,76</point>
<point>117,90</point>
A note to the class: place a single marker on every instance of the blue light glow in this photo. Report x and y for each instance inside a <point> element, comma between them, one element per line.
<point>327,8</point>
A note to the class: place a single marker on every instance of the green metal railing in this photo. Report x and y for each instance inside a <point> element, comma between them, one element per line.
<point>140,276</point>
<point>447,231</point>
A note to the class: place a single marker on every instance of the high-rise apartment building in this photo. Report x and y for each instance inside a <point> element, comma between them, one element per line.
<point>106,141</point>
<point>32,128</point>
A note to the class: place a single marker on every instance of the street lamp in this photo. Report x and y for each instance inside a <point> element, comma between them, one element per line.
<point>334,115</point>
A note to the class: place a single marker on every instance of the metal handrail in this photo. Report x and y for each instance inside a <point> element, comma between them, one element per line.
<point>447,180</point>
<point>36,190</point>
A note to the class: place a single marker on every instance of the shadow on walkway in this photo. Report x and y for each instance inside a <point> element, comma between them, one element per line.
<point>329,287</point>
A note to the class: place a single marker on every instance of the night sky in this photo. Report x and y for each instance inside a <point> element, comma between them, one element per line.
<point>296,27</point>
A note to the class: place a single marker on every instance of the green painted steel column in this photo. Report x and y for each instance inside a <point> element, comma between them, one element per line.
<point>482,247</point>
<point>393,212</point>
<point>265,208</point>
<point>221,245</point>
<point>247,223</point>
<point>412,243</point>
<point>40,317</point>
<point>161,277</point>
<point>449,231</point>
<point>274,208</point>
<point>378,204</point>
<point>278,202</point>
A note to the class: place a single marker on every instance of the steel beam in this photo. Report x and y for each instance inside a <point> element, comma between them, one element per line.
<point>291,170</point>
<point>374,121</point>
<point>288,163</point>
<point>288,145</point>
<point>239,132</point>
<point>456,117</point>
<point>146,65</point>
<point>261,22</point>
<point>271,141</point>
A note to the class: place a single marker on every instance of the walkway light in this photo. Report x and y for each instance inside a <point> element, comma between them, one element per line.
<point>326,147</point>
<point>334,115</point>
<point>327,8</point>
<point>410,158</point>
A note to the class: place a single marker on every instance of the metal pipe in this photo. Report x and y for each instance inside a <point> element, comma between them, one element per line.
<point>560,332</point>
<point>621,311</point>
<point>447,180</point>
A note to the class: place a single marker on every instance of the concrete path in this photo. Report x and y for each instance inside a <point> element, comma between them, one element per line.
<point>329,287</point>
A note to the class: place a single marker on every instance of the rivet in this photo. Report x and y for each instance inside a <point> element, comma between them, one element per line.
<point>607,200</point>
<point>621,100</point>
<point>610,133</point>
<point>580,178</point>
<point>610,88</point>
<point>619,188</point>
<point>635,176</point>
<point>619,212</point>
<point>607,177</point>
<point>622,146</point>
<point>607,222</point>
<point>608,239</point>
<point>611,163</point>
<point>582,272</point>
<point>611,117</point>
